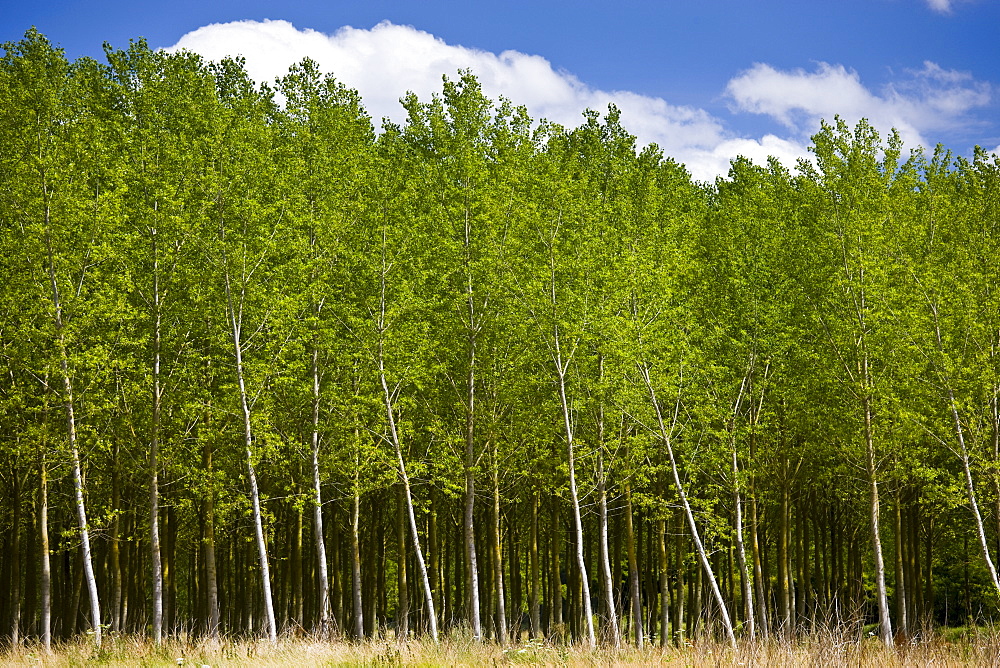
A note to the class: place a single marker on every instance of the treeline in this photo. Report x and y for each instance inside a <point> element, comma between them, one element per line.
<point>266,370</point>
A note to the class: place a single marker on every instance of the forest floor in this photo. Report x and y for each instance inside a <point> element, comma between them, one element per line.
<point>951,649</point>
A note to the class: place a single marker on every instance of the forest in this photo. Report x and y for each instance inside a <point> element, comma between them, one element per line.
<point>270,368</point>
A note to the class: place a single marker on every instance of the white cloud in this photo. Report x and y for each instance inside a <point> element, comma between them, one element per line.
<point>386,61</point>
<point>928,99</point>
<point>942,6</point>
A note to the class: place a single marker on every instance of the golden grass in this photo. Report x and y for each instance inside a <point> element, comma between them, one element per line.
<point>973,649</point>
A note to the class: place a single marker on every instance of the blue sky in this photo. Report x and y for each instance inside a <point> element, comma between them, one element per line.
<point>706,79</point>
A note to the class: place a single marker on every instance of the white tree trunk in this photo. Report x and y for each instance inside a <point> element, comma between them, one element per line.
<point>258,522</point>
<point>322,574</point>
<point>692,525</point>
<point>81,511</point>
<point>581,562</point>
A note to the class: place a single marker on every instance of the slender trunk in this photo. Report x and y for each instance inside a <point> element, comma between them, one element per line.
<point>211,572</point>
<point>501,603</point>
<point>661,532</point>
<point>114,548</point>
<point>609,589</point>
<point>402,587</point>
<point>258,522</point>
<point>394,436</point>
<point>574,495</point>
<point>46,566</point>
<point>154,465</point>
<point>885,625</point>
<point>15,557</point>
<point>469,529</point>
<point>602,494</point>
<point>900,576</point>
<point>784,580</point>
<point>535,602</point>
<point>235,317</point>
<point>322,575</point>
<point>555,575</point>
<point>970,490</point>
<point>357,603</point>
<point>746,582</point>
<point>665,436</point>
<point>633,573</point>
<point>81,512</point>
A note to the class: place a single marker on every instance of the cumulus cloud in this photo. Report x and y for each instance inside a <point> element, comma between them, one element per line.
<point>386,61</point>
<point>928,99</point>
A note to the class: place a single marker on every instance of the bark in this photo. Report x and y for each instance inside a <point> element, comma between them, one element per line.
<point>885,625</point>
<point>322,575</point>
<point>15,560</point>
<point>667,441</point>
<point>114,550</point>
<point>356,598</point>
<point>235,317</point>
<point>561,366</point>
<point>468,520</point>
<point>609,590</point>
<point>746,583</point>
<point>900,577</point>
<point>81,510</point>
<point>404,477</point>
<point>154,465</point>
<point>555,575</point>
<point>633,573</point>
<point>46,566</point>
<point>784,581</point>
<point>211,571</point>
<point>403,593</point>
<point>602,498</point>
<point>535,602</point>
<point>498,580</point>
<point>970,490</point>
<point>661,551</point>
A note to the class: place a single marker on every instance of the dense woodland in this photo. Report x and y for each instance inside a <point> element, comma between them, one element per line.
<point>268,370</point>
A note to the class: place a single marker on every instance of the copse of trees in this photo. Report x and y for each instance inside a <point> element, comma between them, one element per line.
<point>268,370</point>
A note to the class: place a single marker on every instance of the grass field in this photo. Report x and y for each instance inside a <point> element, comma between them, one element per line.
<point>954,648</point>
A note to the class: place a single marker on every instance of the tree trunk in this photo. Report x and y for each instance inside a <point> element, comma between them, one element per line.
<point>15,560</point>
<point>154,464</point>
<point>81,512</point>
<point>404,478</point>
<point>574,494</point>
<point>661,532</point>
<point>211,572</point>
<point>535,602</point>
<point>746,578</point>
<point>323,625</point>
<point>46,566</point>
<point>900,576</point>
<point>357,602</point>
<point>609,590</point>
<point>665,436</point>
<point>469,529</point>
<point>885,625</point>
<point>555,575</point>
<point>235,323</point>
<point>784,581</point>
<point>501,604</point>
<point>633,573</point>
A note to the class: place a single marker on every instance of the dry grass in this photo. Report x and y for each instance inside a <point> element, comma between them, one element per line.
<point>821,650</point>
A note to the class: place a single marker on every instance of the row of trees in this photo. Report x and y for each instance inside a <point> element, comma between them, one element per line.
<point>267,370</point>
